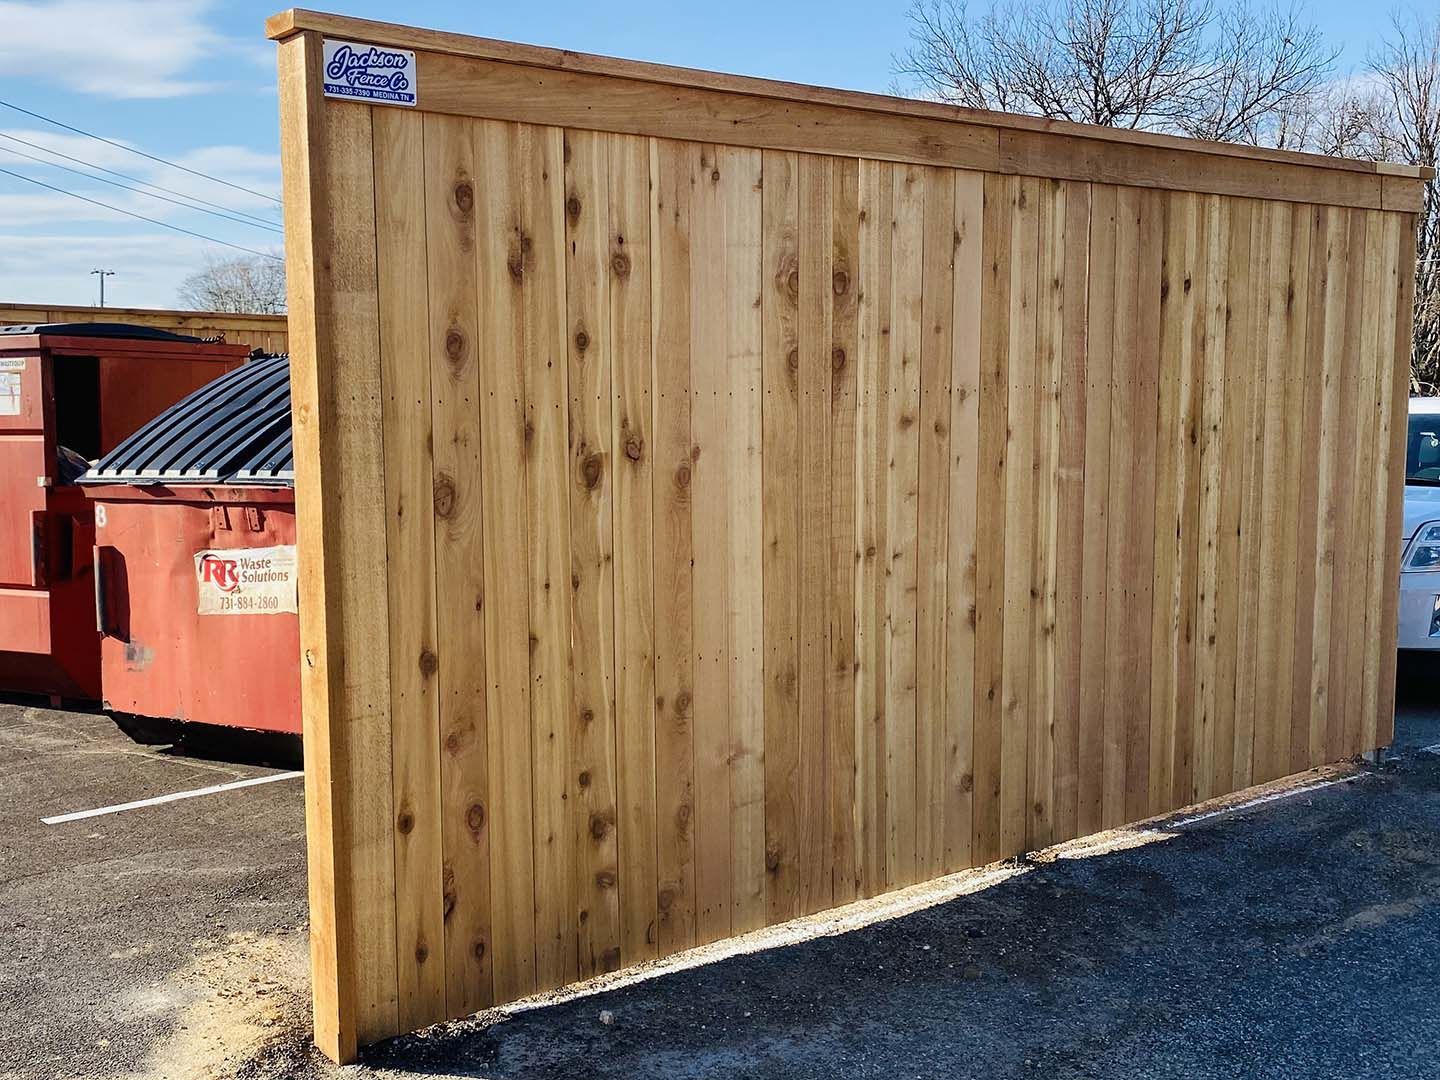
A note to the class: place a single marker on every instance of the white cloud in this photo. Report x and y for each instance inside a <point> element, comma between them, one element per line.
<point>116,48</point>
<point>56,268</point>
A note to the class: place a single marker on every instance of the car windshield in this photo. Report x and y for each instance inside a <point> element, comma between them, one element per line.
<point>1422,450</point>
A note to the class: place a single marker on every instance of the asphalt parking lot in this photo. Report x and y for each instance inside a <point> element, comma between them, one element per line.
<point>128,941</point>
<point>1296,937</point>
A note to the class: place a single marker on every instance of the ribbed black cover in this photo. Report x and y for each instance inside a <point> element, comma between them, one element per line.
<point>234,430</point>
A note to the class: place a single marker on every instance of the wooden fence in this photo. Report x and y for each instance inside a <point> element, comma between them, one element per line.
<point>721,500</point>
<point>267,332</point>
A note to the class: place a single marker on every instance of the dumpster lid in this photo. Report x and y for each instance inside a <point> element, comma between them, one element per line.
<point>100,330</point>
<point>233,430</point>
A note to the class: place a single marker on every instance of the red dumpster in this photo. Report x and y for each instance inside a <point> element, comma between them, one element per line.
<point>70,393</point>
<point>195,559</point>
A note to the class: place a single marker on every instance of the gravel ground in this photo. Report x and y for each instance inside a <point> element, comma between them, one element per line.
<point>111,927</point>
<point>1294,939</point>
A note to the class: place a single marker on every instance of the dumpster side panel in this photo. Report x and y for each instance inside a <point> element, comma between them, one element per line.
<point>160,657</point>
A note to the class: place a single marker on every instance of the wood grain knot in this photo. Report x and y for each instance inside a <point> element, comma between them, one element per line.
<point>421,953</point>
<point>787,277</point>
<point>634,448</point>
<point>475,819</point>
<point>1188,283</point>
<point>455,346</point>
<point>837,359</point>
<point>682,703</point>
<point>840,282</point>
<point>464,196</point>
<point>715,176</point>
<point>682,476</point>
<point>583,779</point>
<point>1165,289</point>
<point>572,208</point>
<point>605,879</point>
<point>967,783</point>
<point>477,949</point>
<point>448,891</point>
<point>772,860</point>
<point>444,496</point>
<point>682,818</point>
<point>405,822</point>
<point>429,662</point>
<point>587,716</point>
<point>459,738</point>
<point>620,263</point>
<point>592,471</point>
<point>598,826</point>
<point>665,898</point>
<point>792,360</point>
<point>582,341</point>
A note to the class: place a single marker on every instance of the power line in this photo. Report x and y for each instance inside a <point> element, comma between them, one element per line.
<point>138,191</point>
<point>140,217</point>
<point>136,180</point>
<point>142,153</point>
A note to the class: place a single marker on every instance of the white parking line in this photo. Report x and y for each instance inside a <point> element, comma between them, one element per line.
<point>1275,796</point>
<point>60,819</point>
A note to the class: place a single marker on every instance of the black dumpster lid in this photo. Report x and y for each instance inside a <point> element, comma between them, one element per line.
<point>101,329</point>
<point>234,430</point>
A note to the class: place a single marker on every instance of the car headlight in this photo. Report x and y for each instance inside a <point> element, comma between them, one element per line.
<point>1425,548</point>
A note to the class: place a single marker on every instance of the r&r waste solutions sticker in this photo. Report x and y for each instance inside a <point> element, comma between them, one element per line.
<point>369,73</point>
<point>247,581</point>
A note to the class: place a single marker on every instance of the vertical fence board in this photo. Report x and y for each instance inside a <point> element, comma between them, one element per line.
<point>990,514</point>
<point>499,260</point>
<point>741,183</point>
<point>815,188</point>
<point>960,617</point>
<point>1045,466</point>
<point>710,528</point>
<point>1072,478</point>
<point>907,215</point>
<point>841,716</point>
<point>590,489</point>
<point>872,453</point>
<point>632,453</point>
<point>671,175</point>
<point>1095,737</point>
<point>780,455</point>
<point>932,561</point>
<point>452,389</point>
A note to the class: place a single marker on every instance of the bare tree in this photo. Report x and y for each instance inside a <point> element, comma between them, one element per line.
<point>1239,73</point>
<point>1183,66</point>
<point>244,285</point>
<point>1407,69</point>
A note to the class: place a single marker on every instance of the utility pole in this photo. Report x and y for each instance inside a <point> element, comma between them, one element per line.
<point>103,275</point>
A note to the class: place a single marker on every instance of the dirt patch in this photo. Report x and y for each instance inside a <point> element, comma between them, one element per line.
<point>234,1003</point>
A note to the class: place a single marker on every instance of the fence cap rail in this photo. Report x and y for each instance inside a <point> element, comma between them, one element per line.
<point>297,20</point>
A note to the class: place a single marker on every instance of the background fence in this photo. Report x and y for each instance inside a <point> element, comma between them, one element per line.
<point>266,332</point>
<point>700,531</point>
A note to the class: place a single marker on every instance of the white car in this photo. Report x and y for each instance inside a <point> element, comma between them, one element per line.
<point>1420,566</point>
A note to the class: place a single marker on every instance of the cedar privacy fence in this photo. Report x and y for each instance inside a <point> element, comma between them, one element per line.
<point>724,499</point>
<point>264,332</point>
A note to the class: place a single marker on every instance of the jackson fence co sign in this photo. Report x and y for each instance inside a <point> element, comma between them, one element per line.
<point>369,73</point>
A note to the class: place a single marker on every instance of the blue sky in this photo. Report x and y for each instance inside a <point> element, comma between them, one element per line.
<point>194,82</point>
